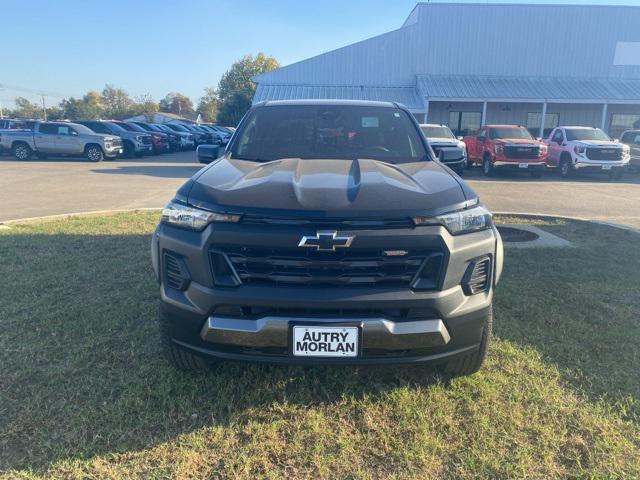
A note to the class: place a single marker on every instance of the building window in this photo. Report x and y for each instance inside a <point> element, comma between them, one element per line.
<point>464,123</point>
<point>621,122</point>
<point>551,121</point>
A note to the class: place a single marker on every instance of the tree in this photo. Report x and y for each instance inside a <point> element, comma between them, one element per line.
<point>144,105</point>
<point>176,103</point>
<point>208,105</point>
<point>236,87</point>
<point>25,108</point>
<point>116,102</point>
<point>87,107</point>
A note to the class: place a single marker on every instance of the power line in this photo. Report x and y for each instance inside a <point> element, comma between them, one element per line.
<point>34,91</point>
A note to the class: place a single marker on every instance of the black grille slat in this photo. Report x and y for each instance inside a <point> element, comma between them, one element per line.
<point>601,153</point>
<point>513,151</point>
<point>174,274</point>
<point>340,268</point>
<point>478,279</point>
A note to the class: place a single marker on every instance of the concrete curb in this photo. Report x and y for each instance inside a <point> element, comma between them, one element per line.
<point>567,217</point>
<point>151,209</point>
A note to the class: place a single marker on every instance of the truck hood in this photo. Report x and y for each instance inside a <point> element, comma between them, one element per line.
<point>445,141</point>
<point>328,188</point>
<point>104,137</point>
<point>597,143</point>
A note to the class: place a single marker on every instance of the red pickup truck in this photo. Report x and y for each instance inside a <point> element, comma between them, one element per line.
<point>506,146</point>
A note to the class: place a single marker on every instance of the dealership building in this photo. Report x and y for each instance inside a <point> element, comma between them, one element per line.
<point>464,65</point>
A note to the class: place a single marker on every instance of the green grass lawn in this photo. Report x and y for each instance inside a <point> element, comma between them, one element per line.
<point>85,393</point>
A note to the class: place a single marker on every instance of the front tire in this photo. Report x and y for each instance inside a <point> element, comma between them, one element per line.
<point>178,357</point>
<point>128,150</point>
<point>94,153</point>
<point>566,168</point>
<point>22,151</point>
<point>487,166</point>
<point>470,363</point>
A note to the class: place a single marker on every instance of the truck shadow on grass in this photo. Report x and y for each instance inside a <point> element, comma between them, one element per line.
<point>82,373</point>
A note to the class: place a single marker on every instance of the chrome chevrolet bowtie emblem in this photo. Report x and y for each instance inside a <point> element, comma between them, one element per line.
<point>326,241</point>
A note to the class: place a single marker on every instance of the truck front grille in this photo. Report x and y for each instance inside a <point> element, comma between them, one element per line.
<point>514,151</point>
<point>606,153</point>
<point>146,140</point>
<point>352,268</point>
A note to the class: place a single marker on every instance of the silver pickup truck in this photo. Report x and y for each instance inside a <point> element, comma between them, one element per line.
<point>60,138</point>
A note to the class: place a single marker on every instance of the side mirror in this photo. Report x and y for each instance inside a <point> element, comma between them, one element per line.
<point>73,132</point>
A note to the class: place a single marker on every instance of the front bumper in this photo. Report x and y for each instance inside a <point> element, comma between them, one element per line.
<point>113,151</point>
<point>524,164</point>
<point>443,322</point>
<point>606,165</point>
<point>143,147</point>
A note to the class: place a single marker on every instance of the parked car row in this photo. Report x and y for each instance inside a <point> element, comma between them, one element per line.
<point>567,149</point>
<point>100,139</point>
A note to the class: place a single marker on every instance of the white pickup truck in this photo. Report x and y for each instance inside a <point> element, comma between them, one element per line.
<point>60,138</point>
<point>572,149</point>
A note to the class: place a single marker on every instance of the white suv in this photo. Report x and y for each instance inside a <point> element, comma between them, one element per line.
<point>571,149</point>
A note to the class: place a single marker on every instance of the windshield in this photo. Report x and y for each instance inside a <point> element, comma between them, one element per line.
<point>116,127</point>
<point>586,134</point>
<point>436,132</point>
<point>132,127</point>
<point>510,132</point>
<point>329,131</point>
<point>82,129</point>
<point>179,128</point>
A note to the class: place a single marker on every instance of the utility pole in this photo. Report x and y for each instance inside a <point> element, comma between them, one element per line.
<point>44,109</point>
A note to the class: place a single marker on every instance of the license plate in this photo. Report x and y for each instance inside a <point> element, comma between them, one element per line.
<point>607,167</point>
<point>523,165</point>
<point>325,341</point>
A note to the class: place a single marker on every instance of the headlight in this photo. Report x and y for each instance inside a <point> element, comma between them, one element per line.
<point>579,150</point>
<point>462,221</point>
<point>138,138</point>
<point>498,148</point>
<point>543,149</point>
<point>183,216</point>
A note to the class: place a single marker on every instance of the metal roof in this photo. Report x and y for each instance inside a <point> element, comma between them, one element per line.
<point>529,88</point>
<point>407,96</point>
<point>519,40</point>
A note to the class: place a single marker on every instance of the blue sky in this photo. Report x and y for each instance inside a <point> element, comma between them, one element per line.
<point>67,47</point>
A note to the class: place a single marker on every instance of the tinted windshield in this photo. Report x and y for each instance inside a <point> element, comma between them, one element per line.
<point>116,127</point>
<point>81,129</point>
<point>436,132</point>
<point>132,127</point>
<point>510,132</point>
<point>329,131</point>
<point>179,128</point>
<point>586,134</point>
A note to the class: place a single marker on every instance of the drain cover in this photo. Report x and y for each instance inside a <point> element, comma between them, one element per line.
<point>512,234</point>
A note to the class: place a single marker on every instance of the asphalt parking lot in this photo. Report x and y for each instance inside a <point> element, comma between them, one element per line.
<point>59,186</point>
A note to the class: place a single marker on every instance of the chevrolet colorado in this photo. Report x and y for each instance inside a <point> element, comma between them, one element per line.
<point>60,138</point>
<point>326,233</point>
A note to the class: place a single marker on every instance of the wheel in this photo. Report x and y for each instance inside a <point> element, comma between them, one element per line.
<point>21,151</point>
<point>469,363</point>
<point>94,153</point>
<point>535,173</point>
<point>566,168</point>
<point>487,166</point>
<point>128,150</point>
<point>178,357</point>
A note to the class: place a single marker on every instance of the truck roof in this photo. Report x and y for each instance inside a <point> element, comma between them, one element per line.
<point>358,103</point>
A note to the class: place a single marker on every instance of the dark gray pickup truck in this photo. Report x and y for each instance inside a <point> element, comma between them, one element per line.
<point>326,233</point>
